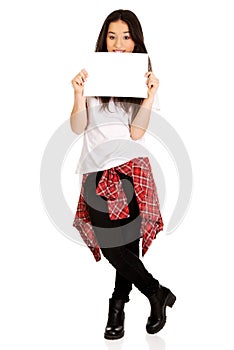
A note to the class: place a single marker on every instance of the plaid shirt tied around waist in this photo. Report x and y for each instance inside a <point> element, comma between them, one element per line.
<point>110,187</point>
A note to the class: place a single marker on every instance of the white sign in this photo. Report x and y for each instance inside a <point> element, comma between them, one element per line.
<point>116,74</point>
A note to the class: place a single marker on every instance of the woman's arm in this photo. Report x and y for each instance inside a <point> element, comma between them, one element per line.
<point>78,119</point>
<point>140,123</point>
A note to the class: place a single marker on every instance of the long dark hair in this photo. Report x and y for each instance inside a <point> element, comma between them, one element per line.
<point>136,33</point>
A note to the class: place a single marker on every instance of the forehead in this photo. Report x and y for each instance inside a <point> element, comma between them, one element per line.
<point>118,27</point>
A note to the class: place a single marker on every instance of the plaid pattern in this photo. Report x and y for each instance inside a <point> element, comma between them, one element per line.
<point>110,186</point>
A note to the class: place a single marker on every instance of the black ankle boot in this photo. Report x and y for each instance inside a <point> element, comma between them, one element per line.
<point>115,324</point>
<point>159,300</point>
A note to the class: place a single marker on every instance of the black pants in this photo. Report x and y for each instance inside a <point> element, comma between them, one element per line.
<point>119,239</point>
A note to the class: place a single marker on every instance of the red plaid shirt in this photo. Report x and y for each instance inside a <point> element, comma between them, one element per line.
<point>110,186</point>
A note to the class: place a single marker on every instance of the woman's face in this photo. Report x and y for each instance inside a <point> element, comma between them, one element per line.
<point>118,38</point>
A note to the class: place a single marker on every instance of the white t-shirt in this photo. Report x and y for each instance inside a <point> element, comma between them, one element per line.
<point>106,140</point>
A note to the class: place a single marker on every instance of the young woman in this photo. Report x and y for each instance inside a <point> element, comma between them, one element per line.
<point>118,203</point>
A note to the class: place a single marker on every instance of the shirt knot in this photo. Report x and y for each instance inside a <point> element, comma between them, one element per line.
<point>110,186</point>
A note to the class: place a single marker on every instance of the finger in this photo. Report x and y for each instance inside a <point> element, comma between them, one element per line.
<point>81,77</point>
<point>153,85</point>
<point>147,75</point>
<point>151,82</point>
<point>85,73</point>
<point>77,81</point>
<point>81,82</point>
<point>150,75</point>
<point>154,80</point>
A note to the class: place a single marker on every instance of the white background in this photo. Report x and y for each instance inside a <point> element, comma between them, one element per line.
<point>53,293</point>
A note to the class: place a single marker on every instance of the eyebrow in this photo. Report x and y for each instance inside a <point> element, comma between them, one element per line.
<point>123,32</point>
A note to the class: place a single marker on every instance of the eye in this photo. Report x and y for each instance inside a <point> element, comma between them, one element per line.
<point>127,37</point>
<point>111,37</point>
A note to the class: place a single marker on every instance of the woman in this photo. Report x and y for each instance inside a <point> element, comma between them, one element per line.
<point>118,203</point>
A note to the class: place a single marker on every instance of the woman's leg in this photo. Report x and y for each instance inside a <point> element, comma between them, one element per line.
<point>109,233</point>
<point>129,266</point>
<point>123,286</point>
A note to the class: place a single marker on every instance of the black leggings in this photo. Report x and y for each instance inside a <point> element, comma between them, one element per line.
<point>119,239</point>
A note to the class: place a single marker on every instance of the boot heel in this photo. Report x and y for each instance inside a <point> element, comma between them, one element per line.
<point>171,299</point>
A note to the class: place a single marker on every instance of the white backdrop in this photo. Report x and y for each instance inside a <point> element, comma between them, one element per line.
<point>53,294</point>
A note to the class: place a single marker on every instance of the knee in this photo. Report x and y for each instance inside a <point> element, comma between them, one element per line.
<point>134,246</point>
<point>113,255</point>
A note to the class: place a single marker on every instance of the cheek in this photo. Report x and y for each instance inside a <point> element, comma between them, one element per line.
<point>131,46</point>
<point>108,44</point>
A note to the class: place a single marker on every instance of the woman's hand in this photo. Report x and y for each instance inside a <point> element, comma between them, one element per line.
<point>152,83</point>
<point>79,81</point>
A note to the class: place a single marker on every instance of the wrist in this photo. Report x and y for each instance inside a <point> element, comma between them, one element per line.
<point>149,101</point>
<point>78,94</point>
<point>79,97</point>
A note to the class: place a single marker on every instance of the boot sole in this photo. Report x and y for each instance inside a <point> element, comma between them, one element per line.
<point>114,337</point>
<point>170,301</point>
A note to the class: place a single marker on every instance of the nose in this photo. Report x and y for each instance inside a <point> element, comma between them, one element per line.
<point>118,42</point>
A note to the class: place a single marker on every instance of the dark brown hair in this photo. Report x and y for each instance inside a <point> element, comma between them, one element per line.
<point>136,33</point>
